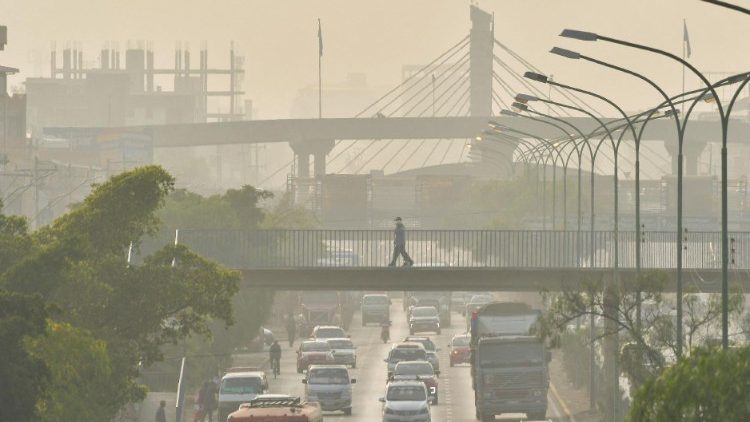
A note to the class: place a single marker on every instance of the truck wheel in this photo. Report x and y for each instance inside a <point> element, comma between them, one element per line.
<point>348,411</point>
<point>488,418</point>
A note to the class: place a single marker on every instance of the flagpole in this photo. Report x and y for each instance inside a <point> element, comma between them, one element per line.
<point>320,78</point>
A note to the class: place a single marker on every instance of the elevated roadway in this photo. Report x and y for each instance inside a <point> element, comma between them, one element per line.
<point>351,129</point>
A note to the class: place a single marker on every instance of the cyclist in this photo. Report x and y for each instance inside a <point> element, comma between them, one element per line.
<point>274,353</point>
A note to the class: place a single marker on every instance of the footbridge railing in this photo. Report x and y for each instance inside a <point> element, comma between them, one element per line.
<point>462,248</point>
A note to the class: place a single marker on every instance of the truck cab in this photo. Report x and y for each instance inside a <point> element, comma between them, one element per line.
<point>376,308</point>
<point>509,363</point>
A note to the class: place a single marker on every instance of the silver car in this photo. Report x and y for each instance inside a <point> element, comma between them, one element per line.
<point>406,401</point>
<point>344,352</point>
<point>330,386</point>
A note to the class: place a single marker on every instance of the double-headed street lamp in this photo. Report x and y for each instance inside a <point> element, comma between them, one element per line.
<point>590,36</point>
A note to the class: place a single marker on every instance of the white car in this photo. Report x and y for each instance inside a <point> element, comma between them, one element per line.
<point>406,401</point>
<point>323,332</point>
<point>344,352</point>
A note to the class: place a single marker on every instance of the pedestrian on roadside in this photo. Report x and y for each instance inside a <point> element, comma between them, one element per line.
<point>399,244</point>
<point>291,329</point>
<point>209,400</point>
<point>160,416</point>
<point>198,407</point>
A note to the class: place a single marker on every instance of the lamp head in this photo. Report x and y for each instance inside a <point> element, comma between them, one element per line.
<point>671,113</point>
<point>565,53</point>
<point>520,106</point>
<point>579,35</point>
<point>737,78</point>
<point>525,98</point>
<point>535,77</point>
<point>509,113</point>
<point>708,98</point>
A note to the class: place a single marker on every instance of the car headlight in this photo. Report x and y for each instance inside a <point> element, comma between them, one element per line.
<point>537,393</point>
<point>389,411</point>
<point>423,411</point>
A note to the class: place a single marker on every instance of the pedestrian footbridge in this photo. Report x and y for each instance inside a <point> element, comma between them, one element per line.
<point>499,260</point>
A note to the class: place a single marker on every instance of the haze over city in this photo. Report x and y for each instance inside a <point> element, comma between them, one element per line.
<point>423,210</point>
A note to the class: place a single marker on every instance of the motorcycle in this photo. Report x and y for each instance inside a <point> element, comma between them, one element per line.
<point>385,332</point>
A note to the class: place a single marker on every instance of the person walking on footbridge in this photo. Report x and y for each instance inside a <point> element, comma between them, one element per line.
<point>399,244</point>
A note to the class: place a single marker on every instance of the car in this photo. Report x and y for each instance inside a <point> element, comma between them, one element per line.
<point>460,350</point>
<point>313,352</point>
<point>430,347</point>
<point>421,371</point>
<point>404,351</point>
<point>330,386</point>
<point>406,401</point>
<point>277,409</point>
<point>424,318</point>
<point>328,331</point>
<point>376,308</point>
<point>344,352</point>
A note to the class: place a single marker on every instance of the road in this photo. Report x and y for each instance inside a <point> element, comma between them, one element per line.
<point>456,394</point>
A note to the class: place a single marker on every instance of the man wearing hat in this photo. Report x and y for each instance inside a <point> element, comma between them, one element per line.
<point>399,244</point>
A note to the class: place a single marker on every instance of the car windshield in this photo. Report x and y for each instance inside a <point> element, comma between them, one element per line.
<point>315,346</point>
<point>407,354</point>
<point>414,368</point>
<point>511,354</point>
<point>328,376</point>
<point>406,393</point>
<point>461,341</point>
<point>424,312</point>
<point>341,344</point>
<point>248,385</point>
<point>329,333</point>
<point>375,300</point>
<point>480,299</point>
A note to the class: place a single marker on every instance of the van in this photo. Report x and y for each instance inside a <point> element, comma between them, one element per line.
<point>376,308</point>
<point>239,387</point>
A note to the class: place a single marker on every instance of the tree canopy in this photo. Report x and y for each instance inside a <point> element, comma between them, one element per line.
<point>709,385</point>
<point>114,316</point>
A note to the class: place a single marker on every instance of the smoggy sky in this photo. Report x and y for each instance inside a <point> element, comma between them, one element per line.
<point>279,37</point>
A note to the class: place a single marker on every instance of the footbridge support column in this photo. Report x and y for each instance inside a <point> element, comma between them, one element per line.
<point>318,149</point>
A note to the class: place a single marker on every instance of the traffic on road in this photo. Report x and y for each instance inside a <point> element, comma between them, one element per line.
<point>360,374</point>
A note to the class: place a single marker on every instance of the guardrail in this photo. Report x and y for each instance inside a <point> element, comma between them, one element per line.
<point>461,248</point>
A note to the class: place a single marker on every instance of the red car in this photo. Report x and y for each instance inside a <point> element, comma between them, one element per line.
<point>313,352</point>
<point>460,351</point>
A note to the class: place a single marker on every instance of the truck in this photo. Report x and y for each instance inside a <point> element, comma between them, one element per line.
<point>509,362</point>
<point>319,308</point>
<point>440,300</point>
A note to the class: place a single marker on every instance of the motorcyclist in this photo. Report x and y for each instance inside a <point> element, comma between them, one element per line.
<point>274,353</point>
<point>385,331</point>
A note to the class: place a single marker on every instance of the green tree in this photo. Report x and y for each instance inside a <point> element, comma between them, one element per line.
<point>23,377</point>
<point>78,264</point>
<point>709,385</point>
<point>80,372</point>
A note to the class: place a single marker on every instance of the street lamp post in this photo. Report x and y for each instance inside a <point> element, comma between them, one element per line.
<point>590,36</point>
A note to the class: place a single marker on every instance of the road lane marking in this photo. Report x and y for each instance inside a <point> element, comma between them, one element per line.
<point>560,401</point>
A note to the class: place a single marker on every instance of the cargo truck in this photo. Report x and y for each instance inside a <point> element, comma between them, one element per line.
<point>509,363</point>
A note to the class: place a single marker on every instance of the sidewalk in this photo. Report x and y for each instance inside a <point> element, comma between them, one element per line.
<point>575,401</point>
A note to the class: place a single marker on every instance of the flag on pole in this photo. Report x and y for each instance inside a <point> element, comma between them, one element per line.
<point>686,38</point>
<point>320,40</point>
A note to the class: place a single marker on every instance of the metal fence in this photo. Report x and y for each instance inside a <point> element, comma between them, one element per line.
<point>463,248</point>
